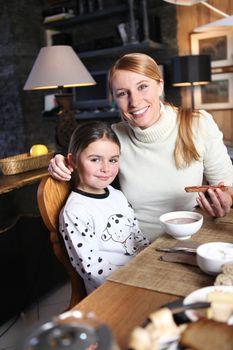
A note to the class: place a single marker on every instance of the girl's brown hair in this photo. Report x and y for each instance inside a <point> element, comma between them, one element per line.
<point>185,151</point>
<point>90,132</point>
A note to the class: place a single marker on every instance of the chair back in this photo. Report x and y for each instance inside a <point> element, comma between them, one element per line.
<point>51,197</point>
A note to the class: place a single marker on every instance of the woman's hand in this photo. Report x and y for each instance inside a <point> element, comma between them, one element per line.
<point>58,168</point>
<point>218,204</point>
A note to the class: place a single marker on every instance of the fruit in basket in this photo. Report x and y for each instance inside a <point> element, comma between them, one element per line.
<point>38,150</point>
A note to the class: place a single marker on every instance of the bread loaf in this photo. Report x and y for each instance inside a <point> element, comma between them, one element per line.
<point>207,335</point>
<point>227,269</point>
<point>226,277</point>
<point>223,280</point>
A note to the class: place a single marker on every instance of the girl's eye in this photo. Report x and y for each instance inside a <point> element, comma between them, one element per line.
<point>114,160</point>
<point>94,159</point>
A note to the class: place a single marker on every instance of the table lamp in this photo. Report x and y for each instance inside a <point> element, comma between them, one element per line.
<point>59,67</point>
<point>225,23</point>
<point>195,2</point>
<point>191,70</point>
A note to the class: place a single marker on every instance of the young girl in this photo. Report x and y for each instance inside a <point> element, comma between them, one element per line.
<point>98,225</point>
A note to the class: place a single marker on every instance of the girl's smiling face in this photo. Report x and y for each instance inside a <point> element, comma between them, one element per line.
<point>137,97</point>
<point>98,165</point>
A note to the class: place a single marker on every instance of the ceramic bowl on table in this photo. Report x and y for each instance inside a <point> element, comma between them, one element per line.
<point>213,255</point>
<point>181,224</point>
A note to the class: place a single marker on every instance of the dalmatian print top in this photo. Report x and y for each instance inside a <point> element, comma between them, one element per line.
<point>101,234</point>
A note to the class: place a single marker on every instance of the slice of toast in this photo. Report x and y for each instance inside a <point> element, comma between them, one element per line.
<point>204,188</point>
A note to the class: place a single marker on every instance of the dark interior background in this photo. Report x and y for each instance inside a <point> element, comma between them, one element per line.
<point>28,268</point>
<point>23,34</point>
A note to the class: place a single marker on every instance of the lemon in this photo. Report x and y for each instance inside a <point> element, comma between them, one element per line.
<point>38,150</point>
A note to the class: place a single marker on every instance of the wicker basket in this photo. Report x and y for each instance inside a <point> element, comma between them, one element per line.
<point>24,162</point>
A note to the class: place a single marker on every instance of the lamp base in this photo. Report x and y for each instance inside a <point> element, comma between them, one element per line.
<point>66,123</point>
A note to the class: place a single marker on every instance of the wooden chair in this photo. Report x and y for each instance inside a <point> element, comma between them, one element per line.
<point>51,197</point>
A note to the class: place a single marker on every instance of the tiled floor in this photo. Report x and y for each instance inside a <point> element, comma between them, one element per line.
<point>52,304</point>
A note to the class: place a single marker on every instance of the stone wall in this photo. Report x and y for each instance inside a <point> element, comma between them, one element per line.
<point>22,36</point>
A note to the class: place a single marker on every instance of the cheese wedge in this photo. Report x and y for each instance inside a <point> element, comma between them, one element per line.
<point>226,297</point>
<point>221,306</point>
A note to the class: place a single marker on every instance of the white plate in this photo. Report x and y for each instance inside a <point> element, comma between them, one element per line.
<point>201,295</point>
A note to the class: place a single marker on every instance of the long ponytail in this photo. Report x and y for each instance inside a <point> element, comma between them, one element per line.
<point>185,151</point>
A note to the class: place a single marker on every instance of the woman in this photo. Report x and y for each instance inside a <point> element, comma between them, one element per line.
<point>164,149</point>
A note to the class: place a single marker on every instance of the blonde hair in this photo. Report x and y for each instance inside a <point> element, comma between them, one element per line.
<point>137,63</point>
<point>185,151</point>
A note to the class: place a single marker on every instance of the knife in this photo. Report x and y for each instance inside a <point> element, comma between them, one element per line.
<point>192,306</point>
<point>178,309</point>
<point>177,250</point>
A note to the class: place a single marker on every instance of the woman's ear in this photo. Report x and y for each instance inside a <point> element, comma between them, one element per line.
<point>71,160</point>
<point>161,87</point>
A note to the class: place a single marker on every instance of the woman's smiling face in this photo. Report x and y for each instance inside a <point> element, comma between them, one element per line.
<point>137,97</point>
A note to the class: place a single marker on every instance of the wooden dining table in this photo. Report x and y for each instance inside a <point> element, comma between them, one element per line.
<point>148,282</point>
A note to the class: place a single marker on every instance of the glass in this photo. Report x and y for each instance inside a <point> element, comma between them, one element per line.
<point>71,330</point>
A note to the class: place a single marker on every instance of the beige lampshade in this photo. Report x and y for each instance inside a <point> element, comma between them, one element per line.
<point>185,2</point>
<point>216,26</point>
<point>195,2</point>
<point>58,66</point>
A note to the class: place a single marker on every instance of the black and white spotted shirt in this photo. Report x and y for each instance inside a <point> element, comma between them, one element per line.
<point>100,232</point>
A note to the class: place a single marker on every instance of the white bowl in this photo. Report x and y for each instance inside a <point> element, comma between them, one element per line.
<point>181,230</point>
<point>212,256</point>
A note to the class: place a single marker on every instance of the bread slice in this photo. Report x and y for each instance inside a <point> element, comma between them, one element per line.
<point>204,188</point>
<point>207,335</point>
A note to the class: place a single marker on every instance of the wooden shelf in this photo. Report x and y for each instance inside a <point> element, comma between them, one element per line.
<point>86,17</point>
<point>140,46</point>
<point>85,115</point>
<point>144,46</point>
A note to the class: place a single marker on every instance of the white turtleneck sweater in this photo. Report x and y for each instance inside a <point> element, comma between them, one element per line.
<point>148,174</point>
